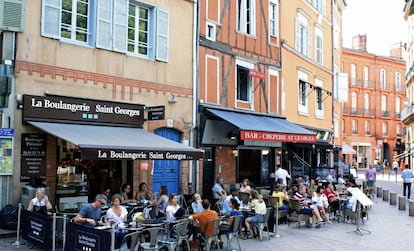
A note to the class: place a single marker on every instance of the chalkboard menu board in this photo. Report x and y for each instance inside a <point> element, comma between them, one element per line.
<point>33,161</point>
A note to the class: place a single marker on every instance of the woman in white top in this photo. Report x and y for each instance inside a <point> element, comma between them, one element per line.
<point>172,207</point>
<point>40,203</point>
<point>321,201</point>
<point>117,214</point>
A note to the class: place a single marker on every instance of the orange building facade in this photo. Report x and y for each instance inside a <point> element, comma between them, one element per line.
<point>371,121</point>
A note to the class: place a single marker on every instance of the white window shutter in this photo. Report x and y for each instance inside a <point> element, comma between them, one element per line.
<point>120,33</point>
<point>308,42</point>
<point>51,12</point>
<point>162,35</point>
<point>342,87</point>
<point>297,37</point>
<point>253,18</point>
<point>104,25</point>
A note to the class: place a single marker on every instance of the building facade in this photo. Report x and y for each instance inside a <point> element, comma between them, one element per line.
<point>110,52</point>
<point>372,116</point>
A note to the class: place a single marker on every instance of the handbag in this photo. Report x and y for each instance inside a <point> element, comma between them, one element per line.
<point>195,245</point>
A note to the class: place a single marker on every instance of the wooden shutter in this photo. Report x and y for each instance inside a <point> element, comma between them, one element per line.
<point>104,24</point>
<point>162,35</point>
<point>120,25</point>
<point>51,16</point>
<point>12,15</point>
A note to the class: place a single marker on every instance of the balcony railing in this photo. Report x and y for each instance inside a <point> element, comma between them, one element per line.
<point>351,111</point>
<point>398,115</point>
<point>360,83</point>
<point>400,89</point>
<point>369,112</point>
<point>410,73</point>
<point>408,113</point>
<point>385,114</point>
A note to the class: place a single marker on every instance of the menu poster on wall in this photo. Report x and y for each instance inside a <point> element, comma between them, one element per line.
<point>33,162</point>
<point>6,151</point>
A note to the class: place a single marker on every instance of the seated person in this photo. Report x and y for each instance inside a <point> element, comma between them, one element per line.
<point>283,197</point>
<point>143,195</point>
<point>90,213</point>
<point>117,215</point>
<point>333,197</point>
<point>233,195</point>
<point>305,208</point>
<point>196,205</point>
<point>319,199</point>
<point>259,207</point>
<point>245,187</point>
<point>40,203</point>
<point>162,201</point>
<point>126,189</point>
<point>218,190</point>
<point>204,217</point>
<point>226,224</point>
<point>173,210</point>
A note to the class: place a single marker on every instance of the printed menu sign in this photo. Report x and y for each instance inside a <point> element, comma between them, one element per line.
<point>6,151</point>
<point>33,162</point>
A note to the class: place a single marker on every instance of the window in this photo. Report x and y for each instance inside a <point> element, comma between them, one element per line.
<point>211,31</point>
<point>397,81</point>
<point>319,47</point>
<point>385,129</point>
<point>366,76</point>
<point>343,125</point>
<point>302,93</point>
<point>273,18</point>
<point>302,38</point>
<point>354,126</point>
<point>120,25</point>
<point>68,20</point>
<point>366,104</point>
<point>398,130</point>
<point>397,104</point>
<point>353,74</point>
<point>244,84</point>
<point>354,102</point>
<point>320,5</point>
<point>383,79</point>
<point>142,36</point>
<point>246,19</point>
<point>318,89</point>
<point>318,92</point>
<point>383,103</point>
<point>367,128</point>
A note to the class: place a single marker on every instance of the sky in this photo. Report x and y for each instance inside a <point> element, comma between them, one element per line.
<point>381,20</point>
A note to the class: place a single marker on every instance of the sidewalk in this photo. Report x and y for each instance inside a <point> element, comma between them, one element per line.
<point>389,228</point>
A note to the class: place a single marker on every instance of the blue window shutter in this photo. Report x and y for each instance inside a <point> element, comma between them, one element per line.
<point>162,35</point>
<point>104,25</point>
<point>120,33</point>
<point>51,12</point>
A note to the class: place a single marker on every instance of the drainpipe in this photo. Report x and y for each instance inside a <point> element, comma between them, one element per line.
<point>194,164</point>
<point>333,79</point>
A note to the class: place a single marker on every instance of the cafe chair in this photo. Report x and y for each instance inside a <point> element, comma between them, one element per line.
<point>219,206</point>
<point>79,205</point>
<point>152,234</point>
<point>244,197</point>
<point>261,226</point>
<point>234,233</point>
<point>214,238</point>
<point>281,214</point>
<point>63,207</point>
<point>179,231</point>
<point>130,241</point>
<point>295,216</point>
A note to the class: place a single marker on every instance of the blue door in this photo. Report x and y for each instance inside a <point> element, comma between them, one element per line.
<point>166,172</point>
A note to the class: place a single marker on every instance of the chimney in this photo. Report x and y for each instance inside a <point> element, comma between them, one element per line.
<point>359,42</point>
<point>396,50</point>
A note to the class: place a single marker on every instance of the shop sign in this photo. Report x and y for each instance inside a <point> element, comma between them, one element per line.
<point>256,74</point>
<point>106,154</point>
<point>33,156</point>
<point>87,111</point>
<point>275,136</point>
<point>156,112</point>
<point>6,151</point>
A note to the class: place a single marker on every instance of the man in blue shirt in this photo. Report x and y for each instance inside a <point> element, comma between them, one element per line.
<point>90,214</point>
<point>233,194</point>
<point>407,176</point>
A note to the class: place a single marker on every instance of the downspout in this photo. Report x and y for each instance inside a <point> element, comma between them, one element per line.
<point>194,164</point>
<point>332,157</point>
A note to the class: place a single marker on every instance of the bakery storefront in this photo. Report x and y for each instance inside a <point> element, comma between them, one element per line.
<point>79,147</point>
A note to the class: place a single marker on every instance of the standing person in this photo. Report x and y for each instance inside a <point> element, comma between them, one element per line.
<point>40,203</point>
<point>218,190</point>
<point>90,214</point>
<point>407,176</point>
<point>345,167</point>
<point>385,165</point>
<point>370,176</point>
<point>395,166</point>
<point>283,174</point>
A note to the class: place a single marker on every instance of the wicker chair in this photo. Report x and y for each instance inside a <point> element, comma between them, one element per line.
<point>295,216</point>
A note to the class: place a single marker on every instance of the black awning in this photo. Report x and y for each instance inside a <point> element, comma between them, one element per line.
<point>117,143</point>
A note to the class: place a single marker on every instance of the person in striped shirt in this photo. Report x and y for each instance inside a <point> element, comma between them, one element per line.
<point>306,208</point>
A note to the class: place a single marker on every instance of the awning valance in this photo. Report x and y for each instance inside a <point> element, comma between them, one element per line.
<point>347,149</point>
<point>265,128</point>
<point>117,143</point>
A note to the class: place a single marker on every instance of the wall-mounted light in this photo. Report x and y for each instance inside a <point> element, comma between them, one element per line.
<point>19,101</point>
<point>231,136</point>
<point>172,99</point>
<point>235,152</point>
<point>265,151</point>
